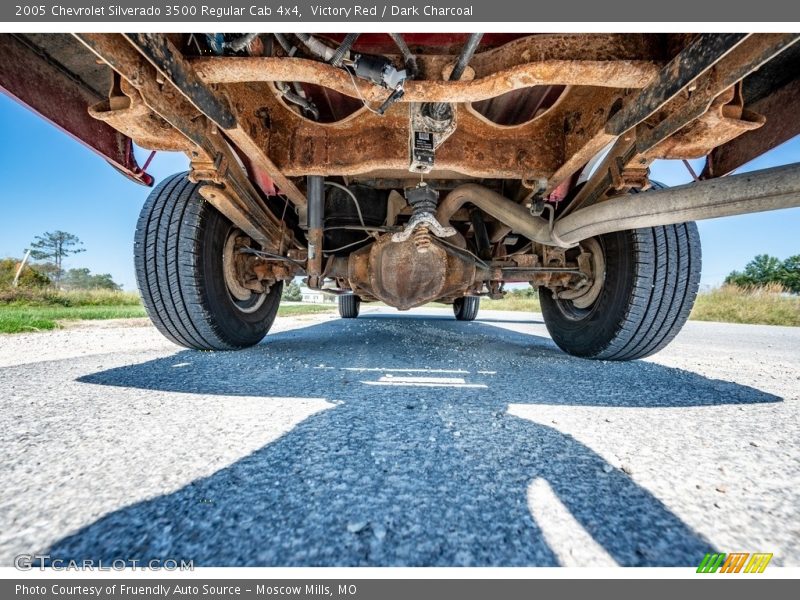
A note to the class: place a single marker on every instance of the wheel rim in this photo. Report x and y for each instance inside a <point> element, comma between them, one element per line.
<point>245,300</point>
<point>578,306</point>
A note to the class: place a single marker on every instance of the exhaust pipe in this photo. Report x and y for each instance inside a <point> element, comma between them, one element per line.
<point>501,208</point>
<point>769,189</point>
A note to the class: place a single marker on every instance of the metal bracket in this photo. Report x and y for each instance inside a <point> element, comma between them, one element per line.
<point>215,172</point>
<point>425,136</point>
<point>623,179</point>
<point>535,199</point>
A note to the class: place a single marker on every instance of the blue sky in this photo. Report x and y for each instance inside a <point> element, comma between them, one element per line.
<point>50,181</point>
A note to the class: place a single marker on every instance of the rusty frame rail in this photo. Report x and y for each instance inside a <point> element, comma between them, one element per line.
<point>165,57</point>
<point>171,65</point>
<point>236,198</point>
<point>694,60</point>
<point>638,144</point>
<point>45,87</point>
<point>781,110</point>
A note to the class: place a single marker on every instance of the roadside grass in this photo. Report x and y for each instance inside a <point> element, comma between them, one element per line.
<point>21,319</point>
<point>41,310</point>
<point>73,298</point>
<point>768,305</point>
<point>522,301</point>
<point>291,310</point>
<point>37,310</point>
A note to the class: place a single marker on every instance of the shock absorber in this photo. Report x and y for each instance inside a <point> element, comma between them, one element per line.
<point>315,217</point>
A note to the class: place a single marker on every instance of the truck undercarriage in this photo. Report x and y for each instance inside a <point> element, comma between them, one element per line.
<point>425,167</point>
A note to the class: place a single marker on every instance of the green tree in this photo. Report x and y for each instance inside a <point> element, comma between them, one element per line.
<point>292,293</point>
<point>737,278</point>
<point>29,278</point>
<point>48,269</point>
<point>82,279</point>
<point>790,274</point>
<point>763,269</point>
<point>55,246</point>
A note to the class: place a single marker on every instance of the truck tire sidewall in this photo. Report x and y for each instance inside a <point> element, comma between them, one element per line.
<point>349,306</point>
<point>466,308</point>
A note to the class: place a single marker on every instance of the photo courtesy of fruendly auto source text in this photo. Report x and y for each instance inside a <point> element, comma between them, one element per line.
<point>372,300</point>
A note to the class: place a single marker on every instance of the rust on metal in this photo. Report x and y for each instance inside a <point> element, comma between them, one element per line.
<point>280,144</point>
<point>47,88</point>
<point>780,112</point>
<point>529,109</point>
<point>264,270</point>
<point>745,58</point>
<point>366,143</point>
<point>725,120</point>
<point>643,96</point>
<point>314,266</point>
<point>682,71</point>
<point>170,63</point>
<point>211,147</point>
<point>712,102</point>
<point>402,276</point>
<point>615,74</point>
<point>240,214</point>
<point>127,112</point>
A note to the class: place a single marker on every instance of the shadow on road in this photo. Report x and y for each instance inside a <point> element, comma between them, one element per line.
<point>417,463</point>
<point>519,318</point>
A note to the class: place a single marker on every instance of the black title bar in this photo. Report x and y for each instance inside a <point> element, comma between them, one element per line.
<point>417,11</point>
<point>391,589</point>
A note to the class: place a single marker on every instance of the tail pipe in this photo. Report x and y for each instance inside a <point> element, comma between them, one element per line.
<point>757,191</point>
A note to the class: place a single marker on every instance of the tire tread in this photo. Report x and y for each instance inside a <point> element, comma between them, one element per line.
<point>665,265</point>
<point>169,268</point>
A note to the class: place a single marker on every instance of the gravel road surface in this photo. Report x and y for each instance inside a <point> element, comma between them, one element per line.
<point>399,439</point>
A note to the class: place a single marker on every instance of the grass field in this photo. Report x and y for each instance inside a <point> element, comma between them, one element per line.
<point>291,310</point>
<point>727,304</point>
<point>46,297</point>
<point>38,310</point>
<point>21,319</point>
<point>764,306</point>
<point>27,311</point>
<point>513,301</point>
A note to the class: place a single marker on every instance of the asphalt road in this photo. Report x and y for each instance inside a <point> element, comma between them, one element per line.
<point>399,439</point>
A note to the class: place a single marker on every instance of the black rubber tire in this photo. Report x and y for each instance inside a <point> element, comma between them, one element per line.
<point>178,252</point>
<point>466,308</point>
<point>651,282</point>
<point>349,306</point>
